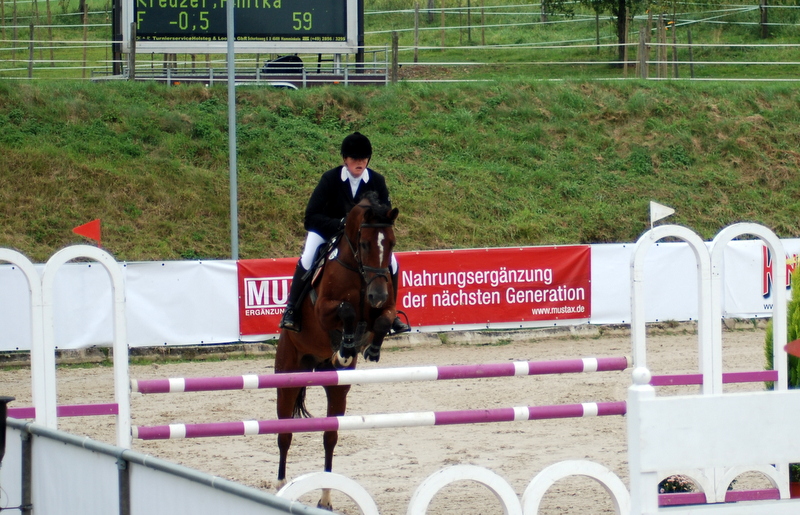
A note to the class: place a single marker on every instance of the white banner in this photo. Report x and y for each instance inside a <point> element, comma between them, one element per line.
<point>196,302</point>
<point>181,303</point>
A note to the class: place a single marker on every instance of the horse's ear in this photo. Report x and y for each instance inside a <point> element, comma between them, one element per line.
<point>393,214</point>
<point>368,214</point>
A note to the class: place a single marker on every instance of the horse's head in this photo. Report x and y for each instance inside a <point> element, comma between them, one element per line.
<point>370,229</point>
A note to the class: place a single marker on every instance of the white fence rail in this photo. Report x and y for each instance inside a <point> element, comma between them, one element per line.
<point>33,45</point>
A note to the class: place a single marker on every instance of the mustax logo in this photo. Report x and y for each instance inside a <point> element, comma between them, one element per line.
<point>766,276</point>
<point>266,292</point>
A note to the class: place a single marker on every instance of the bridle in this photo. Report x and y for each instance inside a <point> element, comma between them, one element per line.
<point>362,270</point>
<point>360,267</point>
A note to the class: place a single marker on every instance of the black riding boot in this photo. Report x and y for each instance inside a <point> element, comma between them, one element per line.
<point>292,313</point>
<point>398,326</point>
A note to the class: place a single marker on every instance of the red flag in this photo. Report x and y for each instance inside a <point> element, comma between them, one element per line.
<point>793,348</point>
<point>90,230</point>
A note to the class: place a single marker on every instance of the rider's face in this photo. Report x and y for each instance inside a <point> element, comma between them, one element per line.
<point>356,166</point>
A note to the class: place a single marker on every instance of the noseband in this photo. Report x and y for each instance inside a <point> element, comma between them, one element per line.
<point>363,269</point>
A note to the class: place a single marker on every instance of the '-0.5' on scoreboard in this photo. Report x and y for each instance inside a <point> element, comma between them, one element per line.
<point>260,26</point>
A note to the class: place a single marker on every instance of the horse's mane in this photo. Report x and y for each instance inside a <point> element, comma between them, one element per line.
<point>379,210</point>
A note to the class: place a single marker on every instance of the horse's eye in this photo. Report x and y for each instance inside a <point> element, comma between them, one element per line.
<point>364,245</point>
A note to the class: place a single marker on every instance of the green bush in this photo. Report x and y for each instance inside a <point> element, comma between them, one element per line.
<point>676,483</point>
<point>792,333</point>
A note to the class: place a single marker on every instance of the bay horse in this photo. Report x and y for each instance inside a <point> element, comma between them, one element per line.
<point>349,310</point>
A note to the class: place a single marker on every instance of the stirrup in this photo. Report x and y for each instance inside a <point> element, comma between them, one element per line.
<point>288,321</point>
<point>398,326</point>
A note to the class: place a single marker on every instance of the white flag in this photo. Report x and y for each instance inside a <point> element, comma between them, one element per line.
<point>658,211</point>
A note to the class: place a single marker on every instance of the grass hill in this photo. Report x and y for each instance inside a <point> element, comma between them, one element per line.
<point>490,164</point>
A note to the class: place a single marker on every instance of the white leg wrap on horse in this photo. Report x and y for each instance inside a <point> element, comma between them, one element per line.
<point>325,499</point>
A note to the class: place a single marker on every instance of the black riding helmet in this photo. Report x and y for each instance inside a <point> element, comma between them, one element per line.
<point>357,146</point>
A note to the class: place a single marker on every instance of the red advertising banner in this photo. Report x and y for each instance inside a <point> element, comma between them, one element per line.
<point>263,292</point>
<point>500,287</point>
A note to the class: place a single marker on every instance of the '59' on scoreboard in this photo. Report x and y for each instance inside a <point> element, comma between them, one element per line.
<point>259,25</point>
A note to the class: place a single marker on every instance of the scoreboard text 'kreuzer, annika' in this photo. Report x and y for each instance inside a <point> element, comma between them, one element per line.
<point>208,4</point>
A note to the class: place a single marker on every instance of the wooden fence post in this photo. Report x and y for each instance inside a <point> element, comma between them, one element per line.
<point>132,54</point>
<point>674,50</point>
<point>85,36</point>
<point>442,24</point>
<point>460,24</point>
<point>50,34</point>
<point>647,38</point>
<point>395,44</point>
<point>483,24</point>
<point>36,22</point>
<point>643,55</point>
<point>30,52</point>
<point>659,46</point>
<point>416,32</point>
<point>625,47</point>
<point>469,21</point>
<point>14,33</point>
<point>597,31</point>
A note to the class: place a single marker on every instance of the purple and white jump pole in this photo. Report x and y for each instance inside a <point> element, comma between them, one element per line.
<point>425,373</point>
<point>392,375</point>
<point>353,422</point>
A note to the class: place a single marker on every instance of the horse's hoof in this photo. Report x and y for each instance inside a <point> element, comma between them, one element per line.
<point>341,362</point>
<point>372,355</point>
<point>321,506</point>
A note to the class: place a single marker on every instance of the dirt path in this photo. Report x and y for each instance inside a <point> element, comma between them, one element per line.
<point>391,463</point>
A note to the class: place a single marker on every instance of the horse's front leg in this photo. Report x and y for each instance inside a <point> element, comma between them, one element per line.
<point>287,397</point>
<point>380,329</point>
<point>343,357</point>
<point>337,404</point>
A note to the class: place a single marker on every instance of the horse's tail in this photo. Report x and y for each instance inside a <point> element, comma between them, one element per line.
<point>300,410</point>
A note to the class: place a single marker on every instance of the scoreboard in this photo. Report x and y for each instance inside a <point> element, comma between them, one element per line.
<point>260,26</point>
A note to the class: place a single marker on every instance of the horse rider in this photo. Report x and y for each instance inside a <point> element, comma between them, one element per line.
<point>335,194</point>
